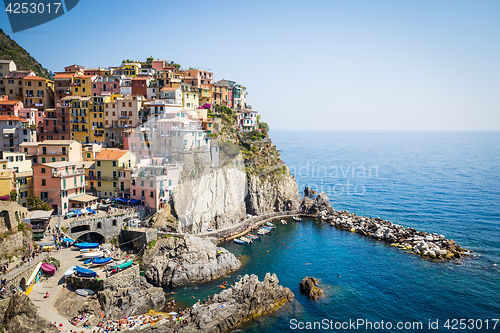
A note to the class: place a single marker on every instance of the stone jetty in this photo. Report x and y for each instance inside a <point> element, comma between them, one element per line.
<point>422,243</point>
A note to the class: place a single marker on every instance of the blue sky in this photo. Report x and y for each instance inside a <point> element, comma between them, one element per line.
<point>389,65</point>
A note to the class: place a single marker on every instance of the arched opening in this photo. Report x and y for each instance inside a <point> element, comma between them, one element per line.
<point>22,284</point>
<point>114,223</point>
<point>91,237</point>
<point>99,225</point>
<point>17,216</point>
<point>6,218</point>
<point>80,228</point>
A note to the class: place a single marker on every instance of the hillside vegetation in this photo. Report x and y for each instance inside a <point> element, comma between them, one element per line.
<point>10,50</point>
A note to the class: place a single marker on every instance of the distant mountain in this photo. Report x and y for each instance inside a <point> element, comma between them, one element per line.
<point>9,49</point>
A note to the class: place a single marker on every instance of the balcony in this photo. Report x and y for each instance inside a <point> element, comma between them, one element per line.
<point>7,145</point>
<point>12,136</point>
<point>103,178</point>
<point>124,117</point>
<point>63,174</point>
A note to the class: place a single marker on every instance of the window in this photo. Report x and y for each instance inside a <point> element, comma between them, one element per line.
<point>43,182</point>
<point>89,155</point>
<point>114,163</point>
<point>98,163</point>
<point>43,161</point>
<point>43,169</point>
<point>151,194</point>
<point>114,223</point>
<point>150,184</point>
<point>99,225</point>
<point>142,193</point>
<point>98,184</point>
<point>133,192</point>
<point>114,184</point>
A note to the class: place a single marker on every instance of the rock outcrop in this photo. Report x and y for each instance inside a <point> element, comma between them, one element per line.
<point>20,316</point>
<point>422,243</point>
<point>182,261</point>
<point>247,299</point>
<point>319,206</point>
<point>309,287</point>
<point>268,193</point>
<point>308,192</point>
<point>130,297</point>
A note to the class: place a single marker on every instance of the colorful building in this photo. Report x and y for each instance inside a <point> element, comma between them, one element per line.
<point>53,151</point>
<point>10,108</point>
<point>153,185</point>
<point>190,96</point>
<point>14,131</point>
<point>113,169</point>
<point>62,186</point>
<point>82,85</point>
<point>22,175</point>
<point>198,77</point>
<point>38,92</point>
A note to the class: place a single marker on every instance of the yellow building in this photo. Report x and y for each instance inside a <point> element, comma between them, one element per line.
<point>19,168</point>
<point>190,97</point>
<point>80,123</point>
<point>205,95</point>
<point>6,179</point>
<point>112,174</point>
<point>82,85</point>
<point>131,69</point>
<point>97,119</point>
<point>38,92</point>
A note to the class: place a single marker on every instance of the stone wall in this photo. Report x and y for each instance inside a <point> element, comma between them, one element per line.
<point>123,279</point>
<point>16,241</point>
<point>107,226</point>
<point>10,215</point>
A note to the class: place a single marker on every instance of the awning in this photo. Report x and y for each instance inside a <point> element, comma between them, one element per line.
<point>134,201</point>
<point>83,198</point>
<point>9,131</point>
<point>123,200</point>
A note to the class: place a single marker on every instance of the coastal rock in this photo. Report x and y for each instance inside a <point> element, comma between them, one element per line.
<point>247,299</point>
<point>318,206</point>
<point>21,317</point>
<point>182,261</point>
<point>268,193</point>
<point>130,297</point>
<point>308,192</point>
<point>309,287</point>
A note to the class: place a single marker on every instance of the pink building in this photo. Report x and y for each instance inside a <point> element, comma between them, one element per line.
<point>29,114</point>
<point>62,186</point>
<point>153,185</point>
<point>10,108</point>
<point>105,85</point>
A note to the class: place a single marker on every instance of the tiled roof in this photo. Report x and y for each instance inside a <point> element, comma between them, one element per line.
<point>30,77</point>
<point>9,102</point>
<point>12,118</point>
<point>110,154</point>
<point>64,76</point>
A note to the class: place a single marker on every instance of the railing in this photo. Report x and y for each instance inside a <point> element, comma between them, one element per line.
<point>62,174</point>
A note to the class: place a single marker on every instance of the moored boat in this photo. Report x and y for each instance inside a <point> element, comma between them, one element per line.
<point>101,261</point>
<point>113,264</point>
<point>239,241</point>
<point>86,245</point>
<point>296,218</point>
<point>82,271</point>
<point>92,254</point>
<point>253,237</point>
<point>70,271</point>
<point>283,222</point>
<point>124,265</point>
<point>270,225</point>
<point>48,268</point>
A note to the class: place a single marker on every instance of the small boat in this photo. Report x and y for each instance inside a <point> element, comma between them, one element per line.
<point>81,271</point>
<point>270,225</point>
<point>70,271</point>
<point>283,222</point>
<point>46,248</point>
<point>101,261</point>
<point>119,262</point>
<point>92,254</point>
<point>247,239</point>
<point>86,245</point>
<point>263,231</point>
<point>53,261</point>
<point>89,291</point>
<point>124,265</point>
<point>239,241</point>
<point>82,292</point>
<point>253,237</point>
<point>33,275</point>
<point>267,228</point>
<point>296,218</point>
<point>89,250</point>
<point>29,290</point>
<point>48,268</point>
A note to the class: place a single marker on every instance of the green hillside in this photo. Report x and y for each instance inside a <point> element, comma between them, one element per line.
<point>9,49</point>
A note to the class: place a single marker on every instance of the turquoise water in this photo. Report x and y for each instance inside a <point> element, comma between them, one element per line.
<point>445,182</point>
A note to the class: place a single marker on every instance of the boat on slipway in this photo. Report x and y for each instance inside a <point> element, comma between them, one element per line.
<point>82,271</point>
<point>92,254</point>
<point>86,245</point>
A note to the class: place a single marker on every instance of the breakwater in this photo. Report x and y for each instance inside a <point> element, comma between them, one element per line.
<point>421,243</point>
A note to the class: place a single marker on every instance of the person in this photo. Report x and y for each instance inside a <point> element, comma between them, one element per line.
<point>46,295</point>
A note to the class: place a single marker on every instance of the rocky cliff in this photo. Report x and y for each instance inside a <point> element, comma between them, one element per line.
<point>19,315</point>
<point>248,299</point>
<point>187,260</point>
<point>210,197</point>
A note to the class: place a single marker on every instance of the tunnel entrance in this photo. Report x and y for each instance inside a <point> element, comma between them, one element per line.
<point>91,237</point>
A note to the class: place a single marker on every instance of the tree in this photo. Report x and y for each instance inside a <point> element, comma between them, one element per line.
<point>13,196</point>
<point>36,203</point>
<point>149,60</point>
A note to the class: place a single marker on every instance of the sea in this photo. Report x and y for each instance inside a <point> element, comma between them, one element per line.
<point>446,182</point>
